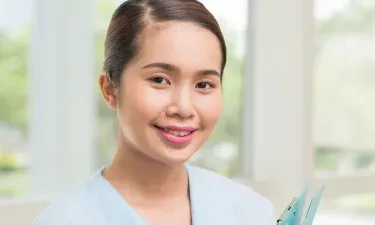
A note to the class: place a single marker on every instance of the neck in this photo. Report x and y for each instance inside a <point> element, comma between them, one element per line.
<point>132,171</point>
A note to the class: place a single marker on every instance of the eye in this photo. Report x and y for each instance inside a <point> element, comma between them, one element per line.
<point>204,85</point>
<point>159,80</point>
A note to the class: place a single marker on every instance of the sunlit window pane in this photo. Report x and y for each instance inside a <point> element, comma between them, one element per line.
<point>344,88</point>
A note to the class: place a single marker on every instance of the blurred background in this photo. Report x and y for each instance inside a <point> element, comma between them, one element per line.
<point>299,92</point>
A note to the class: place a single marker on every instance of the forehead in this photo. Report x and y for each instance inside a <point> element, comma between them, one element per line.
<point>183,44</point>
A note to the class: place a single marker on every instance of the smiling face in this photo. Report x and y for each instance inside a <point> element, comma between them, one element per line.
<point>169,99</point>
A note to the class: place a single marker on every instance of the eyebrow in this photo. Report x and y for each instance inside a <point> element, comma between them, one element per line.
<point>173,68</point>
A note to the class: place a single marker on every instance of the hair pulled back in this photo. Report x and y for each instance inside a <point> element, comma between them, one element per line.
<point>131,17</point>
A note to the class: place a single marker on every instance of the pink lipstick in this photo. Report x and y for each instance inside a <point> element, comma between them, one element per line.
<point>180,135</point>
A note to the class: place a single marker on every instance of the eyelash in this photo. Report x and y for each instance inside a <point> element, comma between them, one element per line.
<point>153,80</point>
<point>206,82</point>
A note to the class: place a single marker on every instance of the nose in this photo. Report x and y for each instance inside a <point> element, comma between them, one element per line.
<point>182,104</point>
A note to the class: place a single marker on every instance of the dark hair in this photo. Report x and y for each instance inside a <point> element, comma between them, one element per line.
<point>132,16</point>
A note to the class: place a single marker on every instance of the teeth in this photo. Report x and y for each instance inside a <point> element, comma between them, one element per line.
<point>177,132</point>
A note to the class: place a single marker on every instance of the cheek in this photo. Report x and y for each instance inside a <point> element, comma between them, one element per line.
<point>209,108</point>
<point>154,100</point>
<point>145,103</point>
<point>139,106</point>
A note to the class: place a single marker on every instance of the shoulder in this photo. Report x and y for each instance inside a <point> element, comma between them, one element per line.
<point>75,207</point>
<point>235,190</point>
<point>247,203</point>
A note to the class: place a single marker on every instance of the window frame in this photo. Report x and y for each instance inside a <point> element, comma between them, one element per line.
<point>291,53</point>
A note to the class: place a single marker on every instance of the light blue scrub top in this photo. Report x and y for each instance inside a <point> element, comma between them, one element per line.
<point>215,200</point>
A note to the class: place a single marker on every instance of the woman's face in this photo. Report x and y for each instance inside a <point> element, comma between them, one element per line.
<point>170,95</point>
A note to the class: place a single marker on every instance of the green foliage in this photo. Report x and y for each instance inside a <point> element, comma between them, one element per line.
<point>353,20</point>
<point>8,162</point>
<point>327,158</point>
<point>363,203</point>
<point>13,183</point>
<point>13,79</point>
<point>229,127</point>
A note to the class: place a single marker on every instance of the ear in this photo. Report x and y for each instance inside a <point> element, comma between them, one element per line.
<point>109,92</point>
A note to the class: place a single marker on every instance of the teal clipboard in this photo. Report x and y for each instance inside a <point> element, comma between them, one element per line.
<point>302,200</point>
<point>294,212</point>
<point>313,207</point>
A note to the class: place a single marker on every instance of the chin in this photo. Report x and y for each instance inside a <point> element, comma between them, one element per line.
<point>177,157</point>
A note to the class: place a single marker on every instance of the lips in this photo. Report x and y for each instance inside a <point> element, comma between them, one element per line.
<point>179,132</point>
<point>175,134</point>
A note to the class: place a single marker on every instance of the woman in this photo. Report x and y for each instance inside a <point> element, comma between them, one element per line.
<point>162,75</point>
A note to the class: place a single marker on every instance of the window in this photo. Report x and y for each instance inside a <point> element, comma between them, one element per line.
<point>221,152</point>
<point>14,44</point>
<point>344,87</point>
<point>344,110</point>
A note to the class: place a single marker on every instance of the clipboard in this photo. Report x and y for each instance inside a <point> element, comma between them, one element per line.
<point>294,212</point>
<point>313,207</point>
